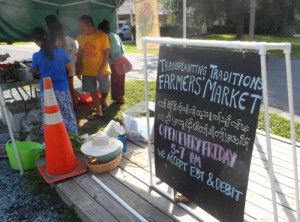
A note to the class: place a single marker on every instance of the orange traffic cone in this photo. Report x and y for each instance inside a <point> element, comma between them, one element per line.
<point>61,162</point>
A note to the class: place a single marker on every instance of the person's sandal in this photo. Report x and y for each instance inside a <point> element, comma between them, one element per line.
<point>104,107</point>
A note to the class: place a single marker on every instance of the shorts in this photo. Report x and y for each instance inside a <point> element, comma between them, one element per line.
<point>89,84</point>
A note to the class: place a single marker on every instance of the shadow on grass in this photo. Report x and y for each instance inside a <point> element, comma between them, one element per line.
<point>92,127</point>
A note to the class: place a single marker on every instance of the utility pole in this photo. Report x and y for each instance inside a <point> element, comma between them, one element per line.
<point>252,20</point>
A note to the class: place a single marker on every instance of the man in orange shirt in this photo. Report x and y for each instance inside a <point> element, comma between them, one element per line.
<point>93,52</point>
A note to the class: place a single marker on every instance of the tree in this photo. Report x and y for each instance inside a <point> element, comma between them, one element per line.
<point>285,11</point>
<point>272,16</point>
<point>235,12</point>
<point>276,17</point>
<point>176,8</point>
<point>207,11</point>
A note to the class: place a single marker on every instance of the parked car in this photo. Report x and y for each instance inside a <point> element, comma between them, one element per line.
<point>124,30</point>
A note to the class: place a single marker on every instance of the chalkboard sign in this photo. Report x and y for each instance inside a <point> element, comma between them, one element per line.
<point>206,112</point>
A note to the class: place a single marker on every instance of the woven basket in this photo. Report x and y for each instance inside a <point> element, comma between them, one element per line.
<point>97,167</point>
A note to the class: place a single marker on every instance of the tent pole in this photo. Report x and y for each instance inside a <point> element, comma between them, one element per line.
<point>3,105</point>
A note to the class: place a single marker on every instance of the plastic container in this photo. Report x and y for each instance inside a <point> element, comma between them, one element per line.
<point>29,153</point>
<point>86,97</point>
<point>136,125</point>
<point>122,138</point>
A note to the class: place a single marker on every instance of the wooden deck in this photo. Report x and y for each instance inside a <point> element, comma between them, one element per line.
<point>130,181</point>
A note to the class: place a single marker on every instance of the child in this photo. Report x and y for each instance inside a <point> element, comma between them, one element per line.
<point>53,62</point>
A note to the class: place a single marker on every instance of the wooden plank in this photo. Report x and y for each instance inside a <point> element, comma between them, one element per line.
<point>281,159</point>
<point>264,189</point>
<point>277,146</point>
<point>103,198</point>
<point>278,165</point>
<point>140,158</point>
<point>286,203</point>
<point>276,138</point>
<point>151,196</point>
<point>279,178</point>
<point>277,170</point>
<point>259,185</point>
<point>280,149</point>
<point>258,213</point>
<point>258,199</point>
<point>285,157</point>
<point>285,164</point>
<point>143,207</point>
<point>265,203</point>
<point>255,161</point>
<point>144,176</point>
<point>85,206</point>
<point>265,181</point>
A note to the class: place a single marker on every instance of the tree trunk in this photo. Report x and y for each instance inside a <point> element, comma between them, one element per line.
<point>240,26</point>
<point>286,30</point>
<point>252,20</point>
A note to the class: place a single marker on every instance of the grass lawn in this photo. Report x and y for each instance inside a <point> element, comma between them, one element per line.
<point>131,48</point>
<point>135,93</point>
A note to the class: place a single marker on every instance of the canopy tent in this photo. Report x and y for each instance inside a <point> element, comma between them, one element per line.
<point>19,17</point>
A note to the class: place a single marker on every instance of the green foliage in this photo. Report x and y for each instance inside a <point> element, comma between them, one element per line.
<point>36,185</point>
<point>176,8</point>
<point>276,17</point>
<point>171,30</point>
<point>7,74</point>
<point>76,141</point>
<point>297,23</point>
<point>272,17</point>
<point>278,125</point>
<point>176,31</point>
<point>69,215</point>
